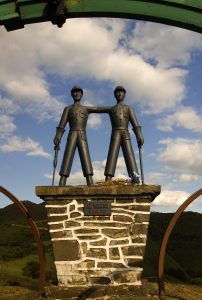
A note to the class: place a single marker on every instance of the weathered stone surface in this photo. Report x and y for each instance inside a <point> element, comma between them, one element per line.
<point>72,279</point>
<point>89,237</point>
<point>63,269</point>
<point>103,224</point>
<point>133,250</point>
<point>115,233</point>
<point>134,262</point>
<point>56,210</point>
<point>96,253</point>
<point>75,215</point>
<point>66,250</point>
<point>123,212</point>
<point>127,277</point>
<point>99,280</point>
<point>114,253</point>
<point>102,242</point>
<point>122,218</point>
<point>135,207</point>
<point>61,234</point>
<point>84,247</point>
<point>86,231</point>
<point>139,239</point>
<point>119,242</point>
<point>110,265</point>
<point>84,265</point>
<point>56,226</point>
<point>96,190</point>
<point>69,224</point>
<point>72,207</point>
<point>139,228</point>
<point>139,218</point>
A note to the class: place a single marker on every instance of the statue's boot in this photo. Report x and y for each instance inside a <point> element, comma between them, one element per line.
<point>108,178</point>
<point>89,179</point>
<point>135,178</point>
<point>63,180</point>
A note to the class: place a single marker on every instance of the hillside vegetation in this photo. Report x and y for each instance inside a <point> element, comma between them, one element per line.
<point>19,259</point>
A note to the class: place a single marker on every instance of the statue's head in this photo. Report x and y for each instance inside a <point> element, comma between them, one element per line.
<point>77,93</point>
<point>119,93</point>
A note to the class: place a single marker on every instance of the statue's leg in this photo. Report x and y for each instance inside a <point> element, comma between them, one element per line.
<point>85,157</point>
<point>112,155</point>
<point>129,157</point>
<point>68,157</point>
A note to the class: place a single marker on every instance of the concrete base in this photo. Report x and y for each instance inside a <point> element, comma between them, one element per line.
<point>98,250</point>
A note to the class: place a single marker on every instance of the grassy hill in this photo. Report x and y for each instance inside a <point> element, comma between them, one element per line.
<point>183,260</point>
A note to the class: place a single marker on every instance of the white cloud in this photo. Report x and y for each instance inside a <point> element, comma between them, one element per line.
<point>29,146</point>
<point>181,155</point>
<point>166,45</point>
<point>188,178</point>
<point>170,198</point>
<point>155,177</point>
<point>23,75</point>
<point>185,117</point>
<point>7,125</point>
<point>77,177</point>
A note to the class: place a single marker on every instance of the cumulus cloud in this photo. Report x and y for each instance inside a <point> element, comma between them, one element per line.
<point>24,75</point>
<point>170,198</point>
<point>7,125</point>
<point>29,146</point>
<point>77,177</point>
<point>183,156</point>
<point>153,41</point>
<point>185,117</point>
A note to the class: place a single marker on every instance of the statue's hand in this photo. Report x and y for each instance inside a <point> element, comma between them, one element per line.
<point>56,141</point>
<point>140,141</point>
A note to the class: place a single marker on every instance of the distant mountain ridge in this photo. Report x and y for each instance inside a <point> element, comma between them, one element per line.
<point>12,213</point>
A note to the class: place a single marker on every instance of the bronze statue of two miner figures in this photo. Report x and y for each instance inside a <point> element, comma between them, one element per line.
<point>77,116</point>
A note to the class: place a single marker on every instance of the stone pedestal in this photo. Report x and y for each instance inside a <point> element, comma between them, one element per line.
<point>90,249</point>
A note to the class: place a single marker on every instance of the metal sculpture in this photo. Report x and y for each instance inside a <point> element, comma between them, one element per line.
<point>76,115</point>
<point>120,116</point>
<point>35,233</point>
<point>166,238</point>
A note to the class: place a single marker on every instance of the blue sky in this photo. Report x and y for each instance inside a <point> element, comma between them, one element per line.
<point>160,67</point>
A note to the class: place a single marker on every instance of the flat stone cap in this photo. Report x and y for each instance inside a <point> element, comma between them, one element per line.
<point>98,190</point>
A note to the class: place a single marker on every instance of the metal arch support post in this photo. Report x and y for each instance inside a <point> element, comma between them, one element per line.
<point>35,232</point>
<point>166,238</point>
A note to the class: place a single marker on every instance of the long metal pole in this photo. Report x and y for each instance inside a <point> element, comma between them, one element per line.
<point>55,161</point>
<point>141,165</point>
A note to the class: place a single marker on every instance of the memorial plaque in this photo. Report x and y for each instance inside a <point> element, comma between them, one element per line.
<point>97,208</point>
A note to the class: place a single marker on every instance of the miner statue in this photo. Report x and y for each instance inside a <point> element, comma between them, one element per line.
<point>77,116</point>
<point>121,115</point>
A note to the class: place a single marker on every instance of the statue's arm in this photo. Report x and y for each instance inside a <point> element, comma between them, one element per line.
<point>99,109</point>
<point>136,127</point>
<point>60,129</point>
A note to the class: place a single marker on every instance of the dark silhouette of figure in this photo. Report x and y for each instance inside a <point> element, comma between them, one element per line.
<point>77,116</point>
<point>120,116</point>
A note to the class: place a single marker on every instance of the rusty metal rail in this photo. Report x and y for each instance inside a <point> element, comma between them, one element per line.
<point>166,238</point>
<point>35,232</point>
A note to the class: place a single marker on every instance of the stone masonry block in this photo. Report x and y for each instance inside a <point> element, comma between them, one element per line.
<point>139,218</point>
<point>139,228</point>
<point>127,277</point>
<point>96,253</point>
<point>61,234</point>
<point>122,218</point>
<point>133,250</point>
<point>114,253</point>
<point>56,210</point>
<point>115,233</point>
<point>66,250</point>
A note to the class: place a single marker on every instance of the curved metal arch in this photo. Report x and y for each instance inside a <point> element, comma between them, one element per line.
<point>166,238</point>
<point>14,14</point>
<point>35,232</point>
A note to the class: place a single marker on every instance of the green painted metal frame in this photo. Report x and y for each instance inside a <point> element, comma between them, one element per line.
<point>181,13</point>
